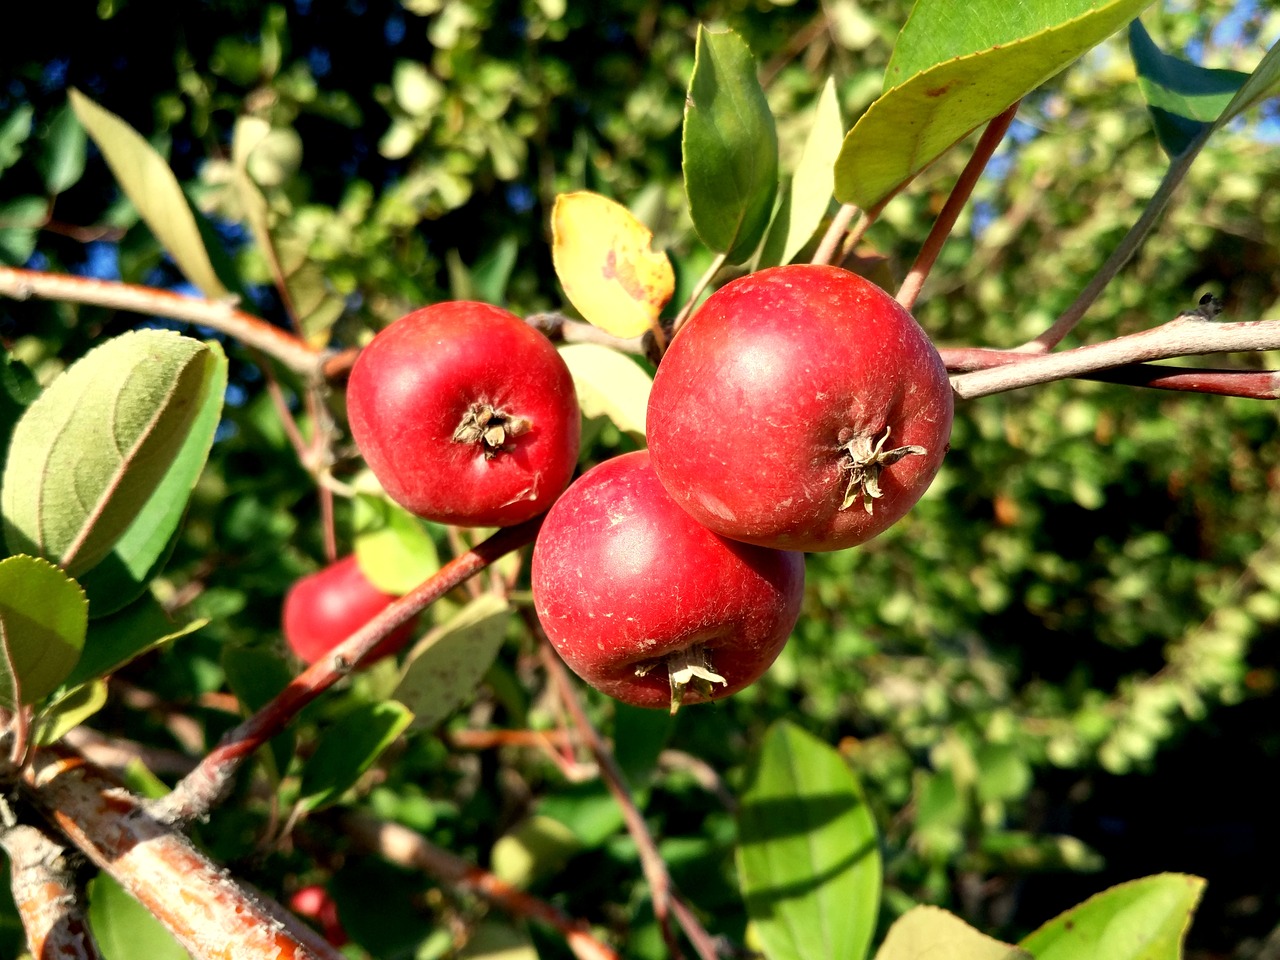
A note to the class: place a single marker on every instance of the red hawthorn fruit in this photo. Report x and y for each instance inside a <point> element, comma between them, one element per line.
<point>647,605</point>
<point>315,903</point>
<point>324,608</point>
<point>801,408</point>
<point>466,415</point>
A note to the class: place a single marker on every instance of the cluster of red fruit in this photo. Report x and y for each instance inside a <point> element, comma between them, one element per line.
<point>800,409</point>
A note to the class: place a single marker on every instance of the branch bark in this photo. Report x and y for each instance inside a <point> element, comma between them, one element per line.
<point>46,894</point>
<point>201,789</point>
<point>223,317</point>
<point>205,910</point>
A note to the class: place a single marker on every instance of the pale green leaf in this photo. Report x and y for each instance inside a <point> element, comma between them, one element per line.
<point>729,147</point>
<point>124,929</point>
<point>147,180</point>
<point>70,710</point>
<point>609,384</point>
<point>536,847</point>
<point>62,156</point>
<point>116,640</point>
<point>393,549</point>
<point>1262,84</point>
<point>89,453</point>
<point>931,933</point>
<point>348,748</point>
<point>954,68</point>
<point>808,857</point>
<point>446,665</point>
<point>497,940</point>
<point>814,182</point>
<point>1144,919</point>
<point>43,618</point>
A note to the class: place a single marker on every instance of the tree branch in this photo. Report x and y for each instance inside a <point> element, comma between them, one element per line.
<point>46,894</point>
<point>1181,337</point>
<point>208,913</point>
<point>200,790</point>
<point>245,327</point>
<point>404,847</point>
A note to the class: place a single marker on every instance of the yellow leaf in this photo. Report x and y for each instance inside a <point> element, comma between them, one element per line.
<point>603,259</point>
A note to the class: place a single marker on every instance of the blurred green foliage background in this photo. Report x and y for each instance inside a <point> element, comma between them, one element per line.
<point>1058,672</point>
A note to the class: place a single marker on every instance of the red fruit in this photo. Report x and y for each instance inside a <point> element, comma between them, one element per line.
<point>801,408</point>
<point>315,903</point>
<point>650,607</point>
<point>324,608</point>
<point>466,415</point>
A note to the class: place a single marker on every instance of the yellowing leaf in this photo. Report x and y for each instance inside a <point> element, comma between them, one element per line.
<point>609,385</point>
<point>603,259</point>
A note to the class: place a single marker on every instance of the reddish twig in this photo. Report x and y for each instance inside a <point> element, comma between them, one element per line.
<point>208,913</point>
<point>245,327</point>
<point>1181,337</point>
<point>717,264</point>
<point>405,848</point>
<point>201,789</point>
<point>45,892</point>
<point>946,220</point>
<point>1248,384</point>
<point>831,239</point>
<point>665,899</point>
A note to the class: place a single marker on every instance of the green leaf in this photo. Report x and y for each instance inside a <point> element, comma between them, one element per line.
<point>729,147</point>
<point>18,390</point>
<point>348,748</point>
<point>588,809</point>
<point>20,222</point>
<point>43,618</point>
<point>812,187</point>
<point>446,666</point>
<point>534,848</point>
<point>1262,84</point>
<point>13,134</point>
<point>147,180</point>
<point>143,549</point>
<point>808,859</point>
<point>1144,919</point>
<point>926,933</point>
<point>126,635</point>
<point>61,161</point>
<point>956,67</point>
<point>70,710</point>
<point>609,384</point>
<point>124,928</point>
<point>393,549</point>
<point>255,675</point>
<point>91,451</point>
<point>1183,98</point>
<point>496,940</point>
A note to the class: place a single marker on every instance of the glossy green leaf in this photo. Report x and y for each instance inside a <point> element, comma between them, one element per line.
<point>930,933</point>
<point>588,809</point>
<point>609,384</point>
<point>14,130</point>
<point>147,180</point>
<point>61,160</point>
<point>43,618</point>
<point>446,666</point>
<point>536,847</point>
<point>88,455</point>
<point>393,549</point>
<point>808,857</point>
<point>813,185</point>
<point>20,222</point>
<point>255,675</point>
<point>1184,98</point>
<point>144,548</point>
<point>348,748</point>
<point>124,929</point>
<point>954,68</point>
<point>116,640</point>
<point>70,710</point>
<point>1144,919</point>
<point>1262,84</point>
<point>730,147</point>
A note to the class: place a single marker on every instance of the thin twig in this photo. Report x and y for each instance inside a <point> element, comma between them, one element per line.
<point>42,877</point>
<point>1173,177</point>
<point>220,315</point>
<point>703,282</point>
<point>205,911</point>
<point>405,848</point>
<point>201,789</point>
<point>665,899</point>
<point>831,239</point>
<point>1182,337</point>
<point>946,219</point>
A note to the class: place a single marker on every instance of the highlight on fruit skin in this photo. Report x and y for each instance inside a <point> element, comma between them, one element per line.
<point>647,605</point>
<point>800,408</point>
<point>324,608</point>
<point>466,415</point>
